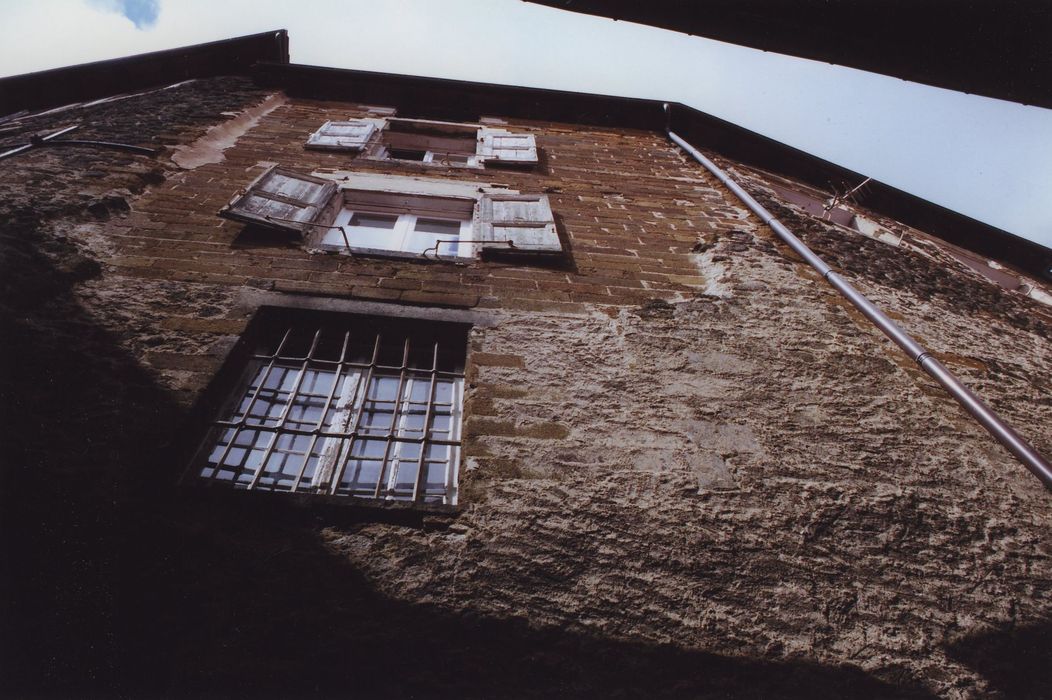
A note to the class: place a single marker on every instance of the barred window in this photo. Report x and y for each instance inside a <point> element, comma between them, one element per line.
<point>359,406</point>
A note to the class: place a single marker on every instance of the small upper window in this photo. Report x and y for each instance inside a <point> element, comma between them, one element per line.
<point>424,141</point>
<point>391,222</point>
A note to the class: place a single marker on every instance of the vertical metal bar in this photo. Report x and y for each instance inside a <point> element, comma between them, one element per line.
<point>324,411</point>
<point>353,434</point>
<point>285,411</point>
<point>394,419</point>
<point>248,409</point>
<point>456,398</point>
<point>427,423</point>
<point>1008,437</point>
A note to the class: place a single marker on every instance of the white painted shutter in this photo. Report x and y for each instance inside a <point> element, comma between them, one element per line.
<point>352,135</point>
<point>281,199</point>
<point>505,147</point>
<point>521,223</point>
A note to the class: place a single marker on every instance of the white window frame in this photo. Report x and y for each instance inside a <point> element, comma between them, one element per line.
<point>472,204</point>
<point>405,225</point>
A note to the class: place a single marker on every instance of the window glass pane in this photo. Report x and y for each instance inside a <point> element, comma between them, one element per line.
<point>363,467</point>
<point>428,232</point>
<point>383,388</point>
<point>412,424</point>
<point>366,230</point>
<point>420,390</point>
<point>406,477</point>
<point>439,427</point>
<point>437,453</point>
<point>407,451</point>
<point>387,221</point>
<point>435,479</point>
<point>441,226</point>
<point>443,391</point>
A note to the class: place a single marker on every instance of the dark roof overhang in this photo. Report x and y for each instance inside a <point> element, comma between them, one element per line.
<point>993,48</point>
<point>89,81</point>
<point>462,100</point>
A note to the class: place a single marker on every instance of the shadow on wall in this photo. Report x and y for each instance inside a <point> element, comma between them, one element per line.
<point>76,413</point>
<point>244,599</point>
<point>117,584</point>
<point>1016,662</point>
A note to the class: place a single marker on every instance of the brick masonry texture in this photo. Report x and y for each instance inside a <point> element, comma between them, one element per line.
<point>691,470</point>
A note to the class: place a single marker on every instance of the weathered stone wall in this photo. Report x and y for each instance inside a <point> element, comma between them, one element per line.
<point>690,469</point>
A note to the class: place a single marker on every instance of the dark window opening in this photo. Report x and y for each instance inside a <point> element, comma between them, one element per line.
<point>407,154</point>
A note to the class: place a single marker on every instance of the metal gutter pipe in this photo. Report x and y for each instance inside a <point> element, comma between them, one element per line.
<point>1012,441</point>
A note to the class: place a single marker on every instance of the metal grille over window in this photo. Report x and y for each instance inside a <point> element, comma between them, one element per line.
<point>366,409</point>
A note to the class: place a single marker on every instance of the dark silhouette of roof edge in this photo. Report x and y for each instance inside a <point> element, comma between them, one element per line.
<point>467,101</point>
<point>89,81</point>
<point>993,48</point>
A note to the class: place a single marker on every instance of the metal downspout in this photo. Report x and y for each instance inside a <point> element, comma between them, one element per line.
<point>1015,444</point>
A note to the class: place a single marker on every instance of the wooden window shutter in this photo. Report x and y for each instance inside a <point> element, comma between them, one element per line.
<point>351,135</point>
<point>505,147</point>
<point>520,223</point>
<point>282,199</point>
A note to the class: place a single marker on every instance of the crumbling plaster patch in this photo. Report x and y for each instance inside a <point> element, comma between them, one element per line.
<point>209,147</point>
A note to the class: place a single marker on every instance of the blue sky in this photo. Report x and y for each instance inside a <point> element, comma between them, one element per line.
<point>986,158</point>
<point>142,13</point>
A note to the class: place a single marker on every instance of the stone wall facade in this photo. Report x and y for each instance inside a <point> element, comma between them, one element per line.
<point>690,468</point>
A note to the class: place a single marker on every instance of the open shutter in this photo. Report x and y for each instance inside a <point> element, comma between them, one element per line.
<point>352,135</point>
<point>282,199</point>
<point>505,147</point>
<point>521,223</point>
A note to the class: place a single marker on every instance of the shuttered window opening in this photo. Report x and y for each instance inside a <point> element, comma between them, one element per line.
<point>285,200</point>
<point>449,144</point>
<point>394,223</point>
<point>518,223</point>
<point>362,407</point>
<point>432,142</point>
<point>350,135</point>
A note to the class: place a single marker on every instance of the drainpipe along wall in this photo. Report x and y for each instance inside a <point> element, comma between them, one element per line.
<point>1008,437</point>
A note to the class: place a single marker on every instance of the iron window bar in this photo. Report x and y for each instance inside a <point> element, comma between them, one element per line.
<point>346,421</point>
<point>434,248</point>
